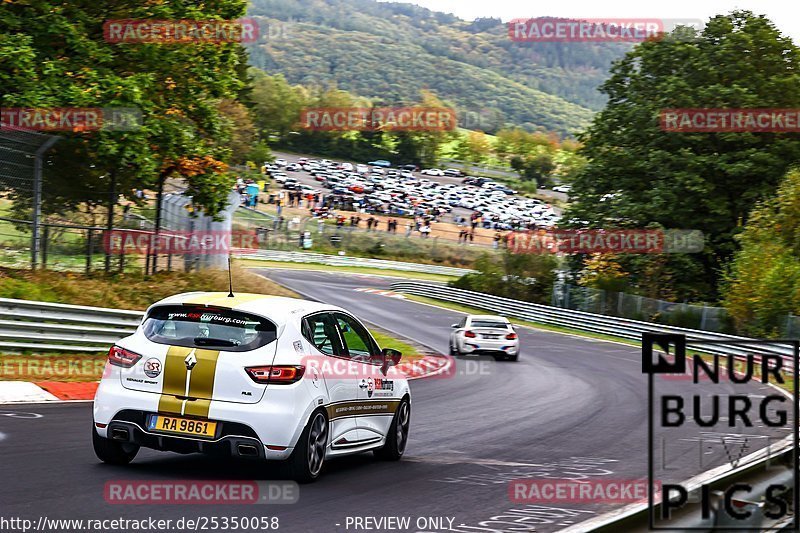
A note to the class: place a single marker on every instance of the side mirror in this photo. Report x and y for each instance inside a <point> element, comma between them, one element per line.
<point>391,357</point>
<point>454,326</point>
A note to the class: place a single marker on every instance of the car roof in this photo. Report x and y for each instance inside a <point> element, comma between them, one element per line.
<point>279,309</point>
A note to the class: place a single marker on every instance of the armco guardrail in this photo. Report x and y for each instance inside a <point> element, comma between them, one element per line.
<point>338,260</point>
<point>29,325</point>
<point>589,322</point>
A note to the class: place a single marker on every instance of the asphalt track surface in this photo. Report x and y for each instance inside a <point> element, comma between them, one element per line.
<point>571,408</point>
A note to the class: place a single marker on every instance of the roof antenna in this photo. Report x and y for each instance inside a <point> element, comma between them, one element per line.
<point>230,278</point>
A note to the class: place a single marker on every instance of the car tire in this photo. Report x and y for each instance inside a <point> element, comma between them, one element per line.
<point>308,458</point>
<point>112,452</point>
<point>397,438</point>
<point>452,350</point>
<point>514,357</point>
<point>456,351</point>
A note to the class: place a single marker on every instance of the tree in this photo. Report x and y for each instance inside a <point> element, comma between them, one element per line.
<point>762,283</point>
<point>474,147</point>
<point>705,181</point>
<point>243,133</point>
<point>528,277</point>
<point>536,168</point>
<point>61,59</point>
<point>276,105</point>
<point>420,147</point>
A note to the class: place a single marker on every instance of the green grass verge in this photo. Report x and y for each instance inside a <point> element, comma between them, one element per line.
<point>387,341</point>
<point>254,263</point>
<point>126,291</point>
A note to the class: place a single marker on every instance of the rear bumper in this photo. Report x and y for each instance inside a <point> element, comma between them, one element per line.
<point>488,347</point>
<point>233,439</point>
<point>273,425</point>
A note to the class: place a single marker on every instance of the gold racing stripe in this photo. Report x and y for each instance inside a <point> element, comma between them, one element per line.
<point>201,382</point>
<point>220,299</point>
<point>174,383</point>
<point>362,408</point>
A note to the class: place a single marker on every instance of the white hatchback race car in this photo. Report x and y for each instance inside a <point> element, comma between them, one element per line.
<point>252,376</point>
<point>484,335</point>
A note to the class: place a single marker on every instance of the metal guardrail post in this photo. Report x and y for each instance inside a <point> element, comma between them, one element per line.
<point>88,252</point>
<point>37,197</point>
<point>45,241</point>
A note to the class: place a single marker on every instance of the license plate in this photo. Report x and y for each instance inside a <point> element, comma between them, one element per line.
<point>491,336</point>
<point>182,426</point>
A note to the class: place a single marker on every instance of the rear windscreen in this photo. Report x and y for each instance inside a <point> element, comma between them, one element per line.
<point>488,324</point>
<point>214,329</point>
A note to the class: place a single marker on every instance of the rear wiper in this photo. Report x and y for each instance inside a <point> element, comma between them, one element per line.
<point>206,341</point>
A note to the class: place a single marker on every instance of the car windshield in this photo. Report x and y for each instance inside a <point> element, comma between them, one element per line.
<point>202,327</point>
<point>488,324</point>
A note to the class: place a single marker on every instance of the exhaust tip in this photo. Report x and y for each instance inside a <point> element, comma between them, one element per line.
<point>247,450</point>
<point>119,434</point>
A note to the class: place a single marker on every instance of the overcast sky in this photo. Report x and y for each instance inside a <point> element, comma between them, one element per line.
<point>784,13</point>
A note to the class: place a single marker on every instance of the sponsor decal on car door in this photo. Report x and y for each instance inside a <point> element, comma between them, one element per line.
<point>375,406</point>
<point>321,331</point>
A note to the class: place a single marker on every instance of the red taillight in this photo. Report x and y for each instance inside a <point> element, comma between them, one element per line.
<point>469,334</point>
<point>279,375</point>
<point>120,357</point>
<point>511,336</point>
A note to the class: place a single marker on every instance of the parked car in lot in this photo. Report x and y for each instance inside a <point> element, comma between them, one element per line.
<point>281,162</point>
<point>406,194</point>
<point>486,335</point>
<point>562,188</point>
<point>453,173</point>
<point>293,167</point>
<point>433,172</point>
<point>380,163</point>
<point>410,168</point>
